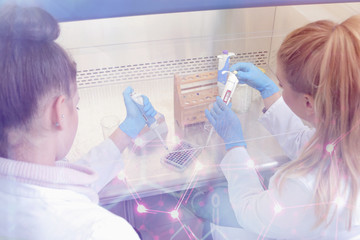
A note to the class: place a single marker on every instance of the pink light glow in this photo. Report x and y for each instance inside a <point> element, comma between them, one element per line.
<point>277,208</point>
<point>141,209</point>
<point>330,147</point>
<point>250,163</point>
<point>121,176</point>
<point>174,214</point>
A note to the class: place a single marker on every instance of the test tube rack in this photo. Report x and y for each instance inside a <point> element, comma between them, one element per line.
<point>192,95</point>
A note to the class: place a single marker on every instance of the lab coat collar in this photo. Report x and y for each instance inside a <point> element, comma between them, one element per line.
<point>63,175</point>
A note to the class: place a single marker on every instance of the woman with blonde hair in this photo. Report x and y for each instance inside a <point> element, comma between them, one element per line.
<point>316,194</point>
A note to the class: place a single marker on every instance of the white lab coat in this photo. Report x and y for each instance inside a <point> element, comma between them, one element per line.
<point>30,211</point>
<point>289,215</point>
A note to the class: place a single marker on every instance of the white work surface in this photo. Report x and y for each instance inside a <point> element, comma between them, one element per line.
<point>145,174</point>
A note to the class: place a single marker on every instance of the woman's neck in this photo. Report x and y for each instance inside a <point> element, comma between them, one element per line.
<point>39,151</point>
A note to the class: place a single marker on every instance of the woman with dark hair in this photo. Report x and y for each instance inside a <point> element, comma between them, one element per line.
<point>41,195</point>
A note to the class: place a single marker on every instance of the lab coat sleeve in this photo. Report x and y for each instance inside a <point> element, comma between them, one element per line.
<point>269,213</point>
<point>287,128</point>
<point>105,159</point>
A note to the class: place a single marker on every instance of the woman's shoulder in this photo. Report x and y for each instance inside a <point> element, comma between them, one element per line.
<point>306,181</point>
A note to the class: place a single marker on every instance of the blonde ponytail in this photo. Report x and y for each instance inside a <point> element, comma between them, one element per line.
<point>323,59</point>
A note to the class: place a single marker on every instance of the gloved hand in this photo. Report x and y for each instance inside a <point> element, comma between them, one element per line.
<point>226,124</point>
<point>248,73</point>
<point>134,121</point>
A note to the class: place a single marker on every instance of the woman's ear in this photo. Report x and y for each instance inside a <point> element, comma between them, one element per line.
<point>57,112</point>
<point>309,107</point>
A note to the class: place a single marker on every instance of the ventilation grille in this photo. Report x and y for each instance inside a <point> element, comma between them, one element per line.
<point>157,70</point>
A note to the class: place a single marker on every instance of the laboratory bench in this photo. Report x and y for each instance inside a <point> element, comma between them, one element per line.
<point>146,175</point>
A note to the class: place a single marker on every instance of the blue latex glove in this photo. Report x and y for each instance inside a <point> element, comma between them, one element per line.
<point>251,75</point>
<point>226,124</point>
<point>134,121</point>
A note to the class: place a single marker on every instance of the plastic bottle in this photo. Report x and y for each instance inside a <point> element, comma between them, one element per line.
<point>242,98</point>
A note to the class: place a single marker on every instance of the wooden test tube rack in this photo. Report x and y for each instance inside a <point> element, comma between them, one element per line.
<point>192,95</point>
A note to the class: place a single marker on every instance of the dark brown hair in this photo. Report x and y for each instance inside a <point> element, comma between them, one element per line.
<point>32,66</point>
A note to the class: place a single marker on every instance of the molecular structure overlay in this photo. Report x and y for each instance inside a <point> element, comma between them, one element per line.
<point>176,214</point>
